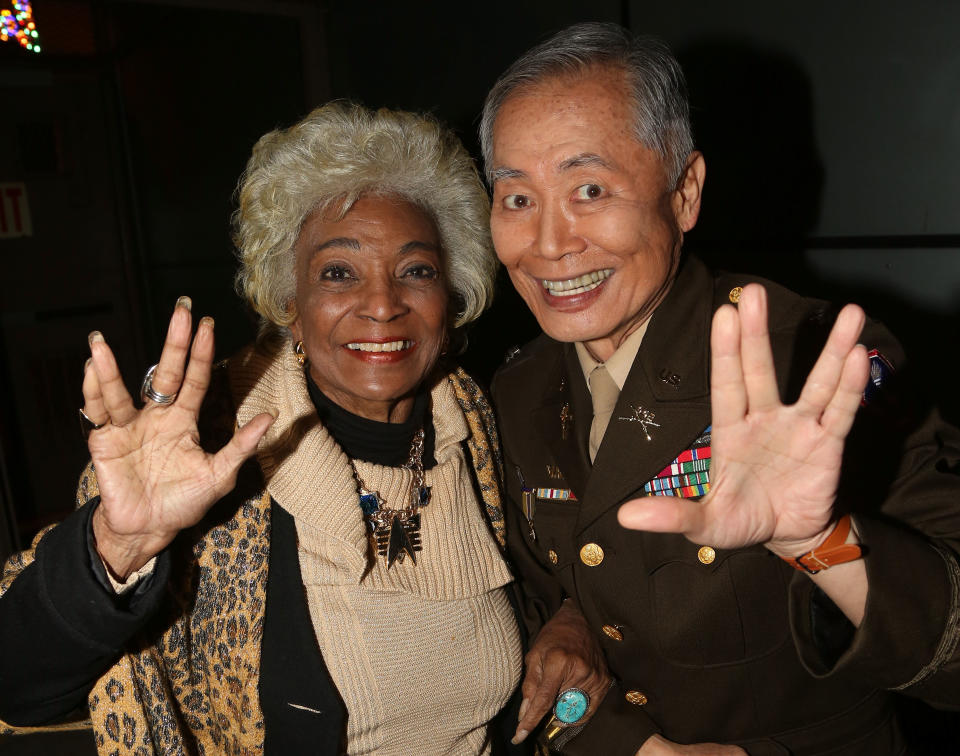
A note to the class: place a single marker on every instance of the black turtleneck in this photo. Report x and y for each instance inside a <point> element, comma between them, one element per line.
<point>370,440</point>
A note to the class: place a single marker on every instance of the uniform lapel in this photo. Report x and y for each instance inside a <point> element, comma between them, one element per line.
<point>668,385</point>
<point>566,397</point>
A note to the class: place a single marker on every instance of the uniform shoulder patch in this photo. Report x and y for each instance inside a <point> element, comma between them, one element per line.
<point>880,372</point>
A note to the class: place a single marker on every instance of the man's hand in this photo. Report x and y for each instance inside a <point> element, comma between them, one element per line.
<point>775,468</point>
<point>660,746</point>
<point>564,655</point>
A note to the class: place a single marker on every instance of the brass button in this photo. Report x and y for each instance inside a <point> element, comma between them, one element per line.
<point>706,554</point>
<point>552,556</point>
<point>735,293</point>
<point>591,555</point>
<point>612,632</point>
<point>636,697</point>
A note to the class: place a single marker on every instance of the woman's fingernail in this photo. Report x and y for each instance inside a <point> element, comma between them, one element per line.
<point>523,709</point>
<point>207,321</point>
<point>185,302</point>
<point>519,737</point>
<point>87,364</point>
<point>94,337</point>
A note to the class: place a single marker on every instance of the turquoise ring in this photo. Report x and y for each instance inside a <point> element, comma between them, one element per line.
<point>571,705</point>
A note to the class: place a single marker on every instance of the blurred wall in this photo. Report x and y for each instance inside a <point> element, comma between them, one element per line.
<point>127,134</point>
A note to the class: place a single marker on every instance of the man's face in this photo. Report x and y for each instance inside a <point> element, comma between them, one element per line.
<point>583,216</point>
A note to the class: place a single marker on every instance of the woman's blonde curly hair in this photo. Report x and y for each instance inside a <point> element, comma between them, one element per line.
<point>338,153</point>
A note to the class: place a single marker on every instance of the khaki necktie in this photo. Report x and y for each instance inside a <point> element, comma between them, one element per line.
<point>604,392</point>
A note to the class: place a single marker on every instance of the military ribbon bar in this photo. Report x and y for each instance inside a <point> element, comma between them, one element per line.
<point>686,476</point>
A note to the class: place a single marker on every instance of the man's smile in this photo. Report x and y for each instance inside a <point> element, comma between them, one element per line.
<point>581,284</point>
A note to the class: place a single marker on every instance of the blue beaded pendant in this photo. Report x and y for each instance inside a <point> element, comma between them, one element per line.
<point>370,502</point>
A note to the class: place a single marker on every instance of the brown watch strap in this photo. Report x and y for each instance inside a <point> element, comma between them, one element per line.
<point>830,553</point>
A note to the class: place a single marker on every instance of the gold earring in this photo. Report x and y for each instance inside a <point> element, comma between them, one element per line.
<point>301,355</point>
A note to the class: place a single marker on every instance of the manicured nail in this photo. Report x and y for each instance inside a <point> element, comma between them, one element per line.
<point>207,321</point>
<point>94,337</point>
<point>274,411</point>
<point>523,708</point>
<point>185,302</point>
<point>519,737</point>
<point>87,364</point>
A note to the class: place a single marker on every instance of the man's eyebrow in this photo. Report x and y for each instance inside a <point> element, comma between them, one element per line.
<point>502,174</point>
<point>584,159</point>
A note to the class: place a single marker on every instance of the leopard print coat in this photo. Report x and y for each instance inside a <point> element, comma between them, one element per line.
<point>189,683</point>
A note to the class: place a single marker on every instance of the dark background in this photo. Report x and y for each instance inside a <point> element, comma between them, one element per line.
<point>831,134</point>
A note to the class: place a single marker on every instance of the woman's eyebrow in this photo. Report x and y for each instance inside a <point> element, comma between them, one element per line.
<point>339,241</point>
<point>412,246</point>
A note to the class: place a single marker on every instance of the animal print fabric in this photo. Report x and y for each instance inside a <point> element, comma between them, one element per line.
<point>189,683</point>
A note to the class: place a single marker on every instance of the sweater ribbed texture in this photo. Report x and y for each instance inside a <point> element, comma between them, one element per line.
<point>423,655</point>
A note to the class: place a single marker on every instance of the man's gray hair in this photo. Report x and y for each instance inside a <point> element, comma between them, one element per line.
<point>656,81</point>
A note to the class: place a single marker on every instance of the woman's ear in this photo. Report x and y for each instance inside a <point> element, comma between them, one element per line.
<point>296,329</point>
<point>689,191</point>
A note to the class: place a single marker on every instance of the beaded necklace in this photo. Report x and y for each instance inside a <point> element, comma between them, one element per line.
<point>396,532</point>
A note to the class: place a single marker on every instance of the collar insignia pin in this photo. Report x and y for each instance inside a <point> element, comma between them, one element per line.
<point>644,417</point>
<point>670,378</point>
<point>566,417</point>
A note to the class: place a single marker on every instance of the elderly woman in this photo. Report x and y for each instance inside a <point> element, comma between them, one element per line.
<point>344,590</point>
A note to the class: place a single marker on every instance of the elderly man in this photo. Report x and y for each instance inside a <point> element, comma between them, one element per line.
<point>742,608</point>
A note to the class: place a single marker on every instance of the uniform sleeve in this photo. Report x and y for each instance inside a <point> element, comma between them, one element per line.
<point>900,481</point>
<point>61,628</point>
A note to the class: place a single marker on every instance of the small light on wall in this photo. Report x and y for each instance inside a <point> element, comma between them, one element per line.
<point>19,25</point>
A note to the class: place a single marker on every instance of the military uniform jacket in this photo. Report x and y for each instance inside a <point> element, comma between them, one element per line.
<point>732,646</point>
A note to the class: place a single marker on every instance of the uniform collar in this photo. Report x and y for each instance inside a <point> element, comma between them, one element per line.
<point>668,384</point>
<point>620,362</point>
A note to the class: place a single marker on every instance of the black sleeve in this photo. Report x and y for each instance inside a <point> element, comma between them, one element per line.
<point>61,628</point>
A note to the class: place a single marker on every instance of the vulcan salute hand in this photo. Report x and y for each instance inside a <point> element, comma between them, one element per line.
<point>154,477</point>
<point>775,468</point>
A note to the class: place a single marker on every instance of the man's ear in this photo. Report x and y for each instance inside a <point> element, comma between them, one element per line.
<point>689,190</point>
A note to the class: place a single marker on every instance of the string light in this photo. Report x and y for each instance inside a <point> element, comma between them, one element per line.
<point>18,26</point>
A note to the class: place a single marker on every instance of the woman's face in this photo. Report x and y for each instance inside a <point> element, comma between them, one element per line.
<point>371,304</point>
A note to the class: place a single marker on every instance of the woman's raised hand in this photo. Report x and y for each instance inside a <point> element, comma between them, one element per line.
<point>154,477</point>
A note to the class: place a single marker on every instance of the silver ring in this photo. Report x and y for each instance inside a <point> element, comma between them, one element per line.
<point>87,425</point>
<point>147,392</point>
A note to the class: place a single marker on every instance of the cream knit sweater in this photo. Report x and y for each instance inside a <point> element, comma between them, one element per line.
<point>423,655</point>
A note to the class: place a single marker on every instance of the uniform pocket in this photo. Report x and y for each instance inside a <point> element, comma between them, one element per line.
<point>715,607</point>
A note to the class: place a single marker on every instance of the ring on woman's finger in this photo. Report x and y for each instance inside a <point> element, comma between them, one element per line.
<point>571,705</point>
<point>87,425</point>
<point>568,710</point>
<point>147,392</point>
